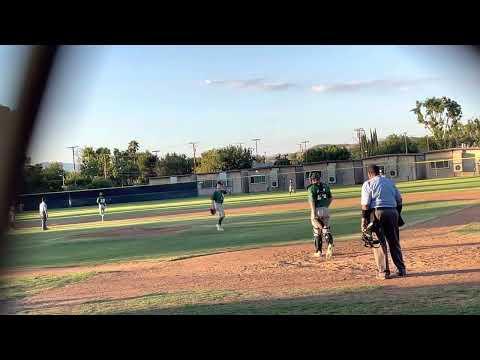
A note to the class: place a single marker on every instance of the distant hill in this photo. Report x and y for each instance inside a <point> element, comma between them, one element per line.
<point>66,166</point>
<point>319,146</point>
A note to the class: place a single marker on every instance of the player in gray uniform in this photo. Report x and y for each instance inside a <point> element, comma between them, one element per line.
<point>102,205</point>
<point>43,214</point>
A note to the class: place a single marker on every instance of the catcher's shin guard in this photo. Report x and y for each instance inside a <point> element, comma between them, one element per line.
<point>317,239</point>
<point>329,240</point>
<point>327,235</point>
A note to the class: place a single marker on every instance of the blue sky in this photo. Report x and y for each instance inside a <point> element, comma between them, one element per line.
<point>167,96</point>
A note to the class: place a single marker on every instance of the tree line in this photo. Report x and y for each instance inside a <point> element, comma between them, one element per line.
<point>101,167</point>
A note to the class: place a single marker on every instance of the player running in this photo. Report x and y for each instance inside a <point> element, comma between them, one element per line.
<point>102,205</point>
<point>320,198</point>
<point>217,204</point>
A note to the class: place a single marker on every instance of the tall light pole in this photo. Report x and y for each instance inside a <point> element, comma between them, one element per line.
<point>73,155</point>
<point>256,145</point>
<point>360,132</point>
<point>305,148</point>
<point>194,146</point>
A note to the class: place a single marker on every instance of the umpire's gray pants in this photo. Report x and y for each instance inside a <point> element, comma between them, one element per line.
<point>389,231</point>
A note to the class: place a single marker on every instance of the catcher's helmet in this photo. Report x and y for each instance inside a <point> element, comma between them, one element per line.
<point>315,175</point>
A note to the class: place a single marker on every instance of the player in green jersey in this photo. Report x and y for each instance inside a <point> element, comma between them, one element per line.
<point>217,204</point>
<point>320,198</point>
<point>102,205</point>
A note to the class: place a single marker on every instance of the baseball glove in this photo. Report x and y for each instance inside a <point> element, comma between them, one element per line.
<point>212,211</point>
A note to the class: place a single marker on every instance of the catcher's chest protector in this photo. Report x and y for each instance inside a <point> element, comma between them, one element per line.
<point>321,192</point>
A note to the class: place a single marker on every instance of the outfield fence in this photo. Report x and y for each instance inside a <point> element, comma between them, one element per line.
<point>116,195</point>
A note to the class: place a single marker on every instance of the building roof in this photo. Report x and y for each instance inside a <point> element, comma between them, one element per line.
<point>329,162</point>
<point>392,155</point>
<point>218,172</point>
<point>452,149</point>
<point>169,176</point>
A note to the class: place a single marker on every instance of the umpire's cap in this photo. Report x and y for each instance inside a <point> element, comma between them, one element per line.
<point>315,175</point>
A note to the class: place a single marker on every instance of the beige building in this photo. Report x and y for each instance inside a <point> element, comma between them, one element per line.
<point>262,179</point>
<point>175,179</point>
<point>452,162</point>
<point>341,172</point>
<point>207,182</point>
<point>398,167</point>
<point>287,173</point>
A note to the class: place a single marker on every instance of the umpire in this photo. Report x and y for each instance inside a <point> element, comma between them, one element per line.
<point>382,202</point>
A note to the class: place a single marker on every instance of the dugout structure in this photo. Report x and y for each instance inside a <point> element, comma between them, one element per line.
<point>117,195</point>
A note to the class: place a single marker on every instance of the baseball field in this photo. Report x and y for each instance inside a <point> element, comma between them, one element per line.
<point>166,257</point>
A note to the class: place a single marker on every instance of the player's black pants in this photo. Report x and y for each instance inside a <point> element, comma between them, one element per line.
<point>389,233</point>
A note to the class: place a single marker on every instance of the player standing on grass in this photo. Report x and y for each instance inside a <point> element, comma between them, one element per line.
<point>43,214</point>
<point>102,204</point>
<point>217,204</point>
<point>320,198</point>
<point>291,187</point>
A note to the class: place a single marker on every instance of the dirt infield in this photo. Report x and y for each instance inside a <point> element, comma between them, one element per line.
<point>435,255</point>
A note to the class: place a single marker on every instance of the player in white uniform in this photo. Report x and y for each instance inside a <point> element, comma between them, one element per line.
<point>43,214</point>
<point>102,205</point>
<point>291,187</point>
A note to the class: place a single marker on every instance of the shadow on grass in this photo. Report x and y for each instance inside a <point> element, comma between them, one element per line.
<point>463,216</point>
<point>461,298</point>
<point>384,298</point>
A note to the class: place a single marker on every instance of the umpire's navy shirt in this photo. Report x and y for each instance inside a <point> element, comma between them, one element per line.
<point>380,192</point>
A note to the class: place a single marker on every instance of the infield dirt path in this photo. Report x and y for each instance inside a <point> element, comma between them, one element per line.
<point>435,254</point>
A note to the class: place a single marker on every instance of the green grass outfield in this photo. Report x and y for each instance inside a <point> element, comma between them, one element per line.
<point>77,244</point>
<point>242,200</point>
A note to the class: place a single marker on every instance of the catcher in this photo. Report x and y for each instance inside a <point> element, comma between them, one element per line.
<point>320,198</point>
<point>217,204</point>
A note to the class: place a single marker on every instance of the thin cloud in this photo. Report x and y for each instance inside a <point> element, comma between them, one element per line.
<point>258,83</point>
<point>402,85</point>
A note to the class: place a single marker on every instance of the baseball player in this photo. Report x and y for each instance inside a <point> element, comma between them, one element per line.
<point>291,187</point>
<point>217,204</point>
<point>102,205</point>
<point>43,214</point>
<point>320,198</point>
